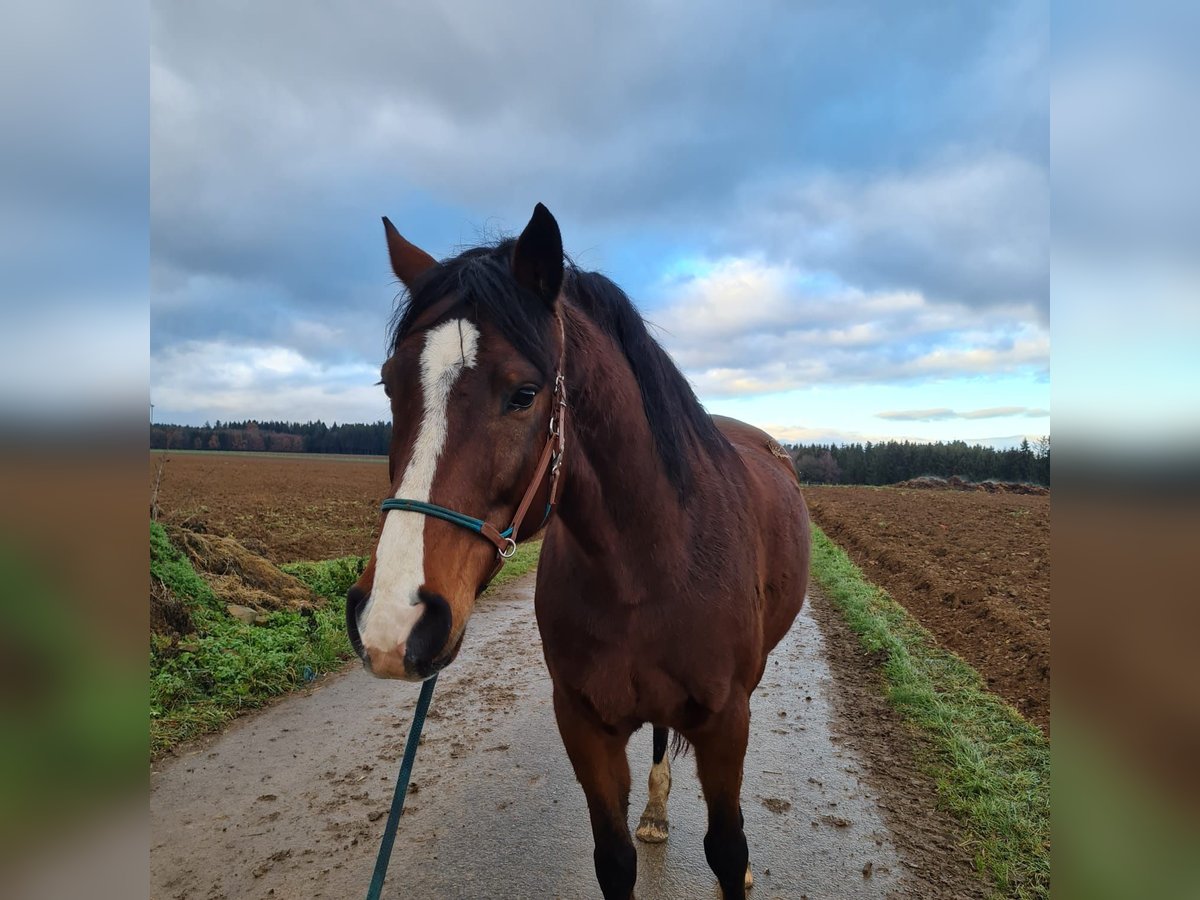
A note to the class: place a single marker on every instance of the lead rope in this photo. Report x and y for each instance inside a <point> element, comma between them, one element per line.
<point>393,820</point>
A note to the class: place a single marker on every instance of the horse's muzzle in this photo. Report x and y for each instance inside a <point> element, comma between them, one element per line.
<point>422,655</point>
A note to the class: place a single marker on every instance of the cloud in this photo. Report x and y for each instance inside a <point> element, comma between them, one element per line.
<point>897,156</point>
<point>744,326</point>
<point>204,380</point>
<point>965,230</point>
<point>460,104</point>
<point>943,414</point>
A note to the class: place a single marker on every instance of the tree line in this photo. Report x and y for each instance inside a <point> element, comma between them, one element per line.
<point>886,462</point>
<point>278,437</point>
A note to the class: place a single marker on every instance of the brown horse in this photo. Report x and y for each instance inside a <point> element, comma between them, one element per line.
<point>676,557</point>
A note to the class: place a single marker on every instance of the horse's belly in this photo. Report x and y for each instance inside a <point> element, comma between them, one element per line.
<point>625,689</point>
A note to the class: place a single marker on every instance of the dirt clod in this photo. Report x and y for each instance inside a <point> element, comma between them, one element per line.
<point>247,582</point>
<point>775,805</point>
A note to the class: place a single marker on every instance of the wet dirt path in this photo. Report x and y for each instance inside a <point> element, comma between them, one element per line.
<point>291,802</point>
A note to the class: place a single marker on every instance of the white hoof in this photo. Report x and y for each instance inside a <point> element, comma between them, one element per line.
<point>652,830</point>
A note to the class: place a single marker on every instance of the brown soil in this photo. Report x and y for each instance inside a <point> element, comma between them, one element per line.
<point>972,567</point>
<point>280,506</point>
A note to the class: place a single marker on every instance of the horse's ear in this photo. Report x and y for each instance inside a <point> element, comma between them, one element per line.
<point>538,257</point>
<point>409,262</point>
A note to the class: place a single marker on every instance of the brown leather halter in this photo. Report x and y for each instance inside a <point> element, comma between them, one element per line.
<point>550,463</point>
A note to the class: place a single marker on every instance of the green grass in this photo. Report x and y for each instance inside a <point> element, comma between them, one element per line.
<point>992,767</point>
<point>228,667</point>
<point>523,560</point>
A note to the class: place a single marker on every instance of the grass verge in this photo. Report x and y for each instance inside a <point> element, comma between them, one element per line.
<point>227,667</point>
<point>992,767</point>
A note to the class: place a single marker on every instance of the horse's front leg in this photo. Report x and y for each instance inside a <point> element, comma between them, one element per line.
<point>720,754</point>
<point>602,768</point>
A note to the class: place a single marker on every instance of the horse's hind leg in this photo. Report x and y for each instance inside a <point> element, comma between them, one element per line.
<point>653,829</point>
<point>602,768</point>
<point>720,753</point>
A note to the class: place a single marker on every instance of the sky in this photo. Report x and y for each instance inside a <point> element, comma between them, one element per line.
<point>835,216</point>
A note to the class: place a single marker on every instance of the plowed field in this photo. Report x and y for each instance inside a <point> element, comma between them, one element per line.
<point>973,567</point>
<point>282,506</point>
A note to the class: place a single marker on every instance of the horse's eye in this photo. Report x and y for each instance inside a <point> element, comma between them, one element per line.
<point>522,398</point>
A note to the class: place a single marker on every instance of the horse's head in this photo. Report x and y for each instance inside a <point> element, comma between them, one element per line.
<point>472,382</point>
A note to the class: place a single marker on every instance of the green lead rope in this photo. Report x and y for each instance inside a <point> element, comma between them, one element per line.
<point>406,765</point>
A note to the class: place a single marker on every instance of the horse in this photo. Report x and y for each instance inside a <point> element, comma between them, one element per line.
<point>675,544</point>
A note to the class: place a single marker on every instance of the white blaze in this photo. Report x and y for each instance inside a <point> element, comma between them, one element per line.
<point>391,611</point>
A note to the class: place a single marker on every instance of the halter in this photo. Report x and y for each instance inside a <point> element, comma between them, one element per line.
<point>550,461</point>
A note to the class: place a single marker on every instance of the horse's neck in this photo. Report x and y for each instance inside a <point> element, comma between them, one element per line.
<point>615,493</point>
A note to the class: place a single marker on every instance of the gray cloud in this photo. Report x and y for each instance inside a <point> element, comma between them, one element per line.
<point>613,110</point>
<point>899,148</point>
<point>974,231</point>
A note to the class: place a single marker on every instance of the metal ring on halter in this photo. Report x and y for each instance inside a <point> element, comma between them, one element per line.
<point>509,550</point>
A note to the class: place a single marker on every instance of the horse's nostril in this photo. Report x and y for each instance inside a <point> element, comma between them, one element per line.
<point>429,636</point>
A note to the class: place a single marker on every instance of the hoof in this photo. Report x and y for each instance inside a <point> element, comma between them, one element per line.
<point>652,831</point>
<point>749,877</point>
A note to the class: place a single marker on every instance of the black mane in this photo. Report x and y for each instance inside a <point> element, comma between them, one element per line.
<point>482,278</point>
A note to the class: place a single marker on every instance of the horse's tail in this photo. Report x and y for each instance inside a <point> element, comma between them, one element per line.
<point>679,745</point>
